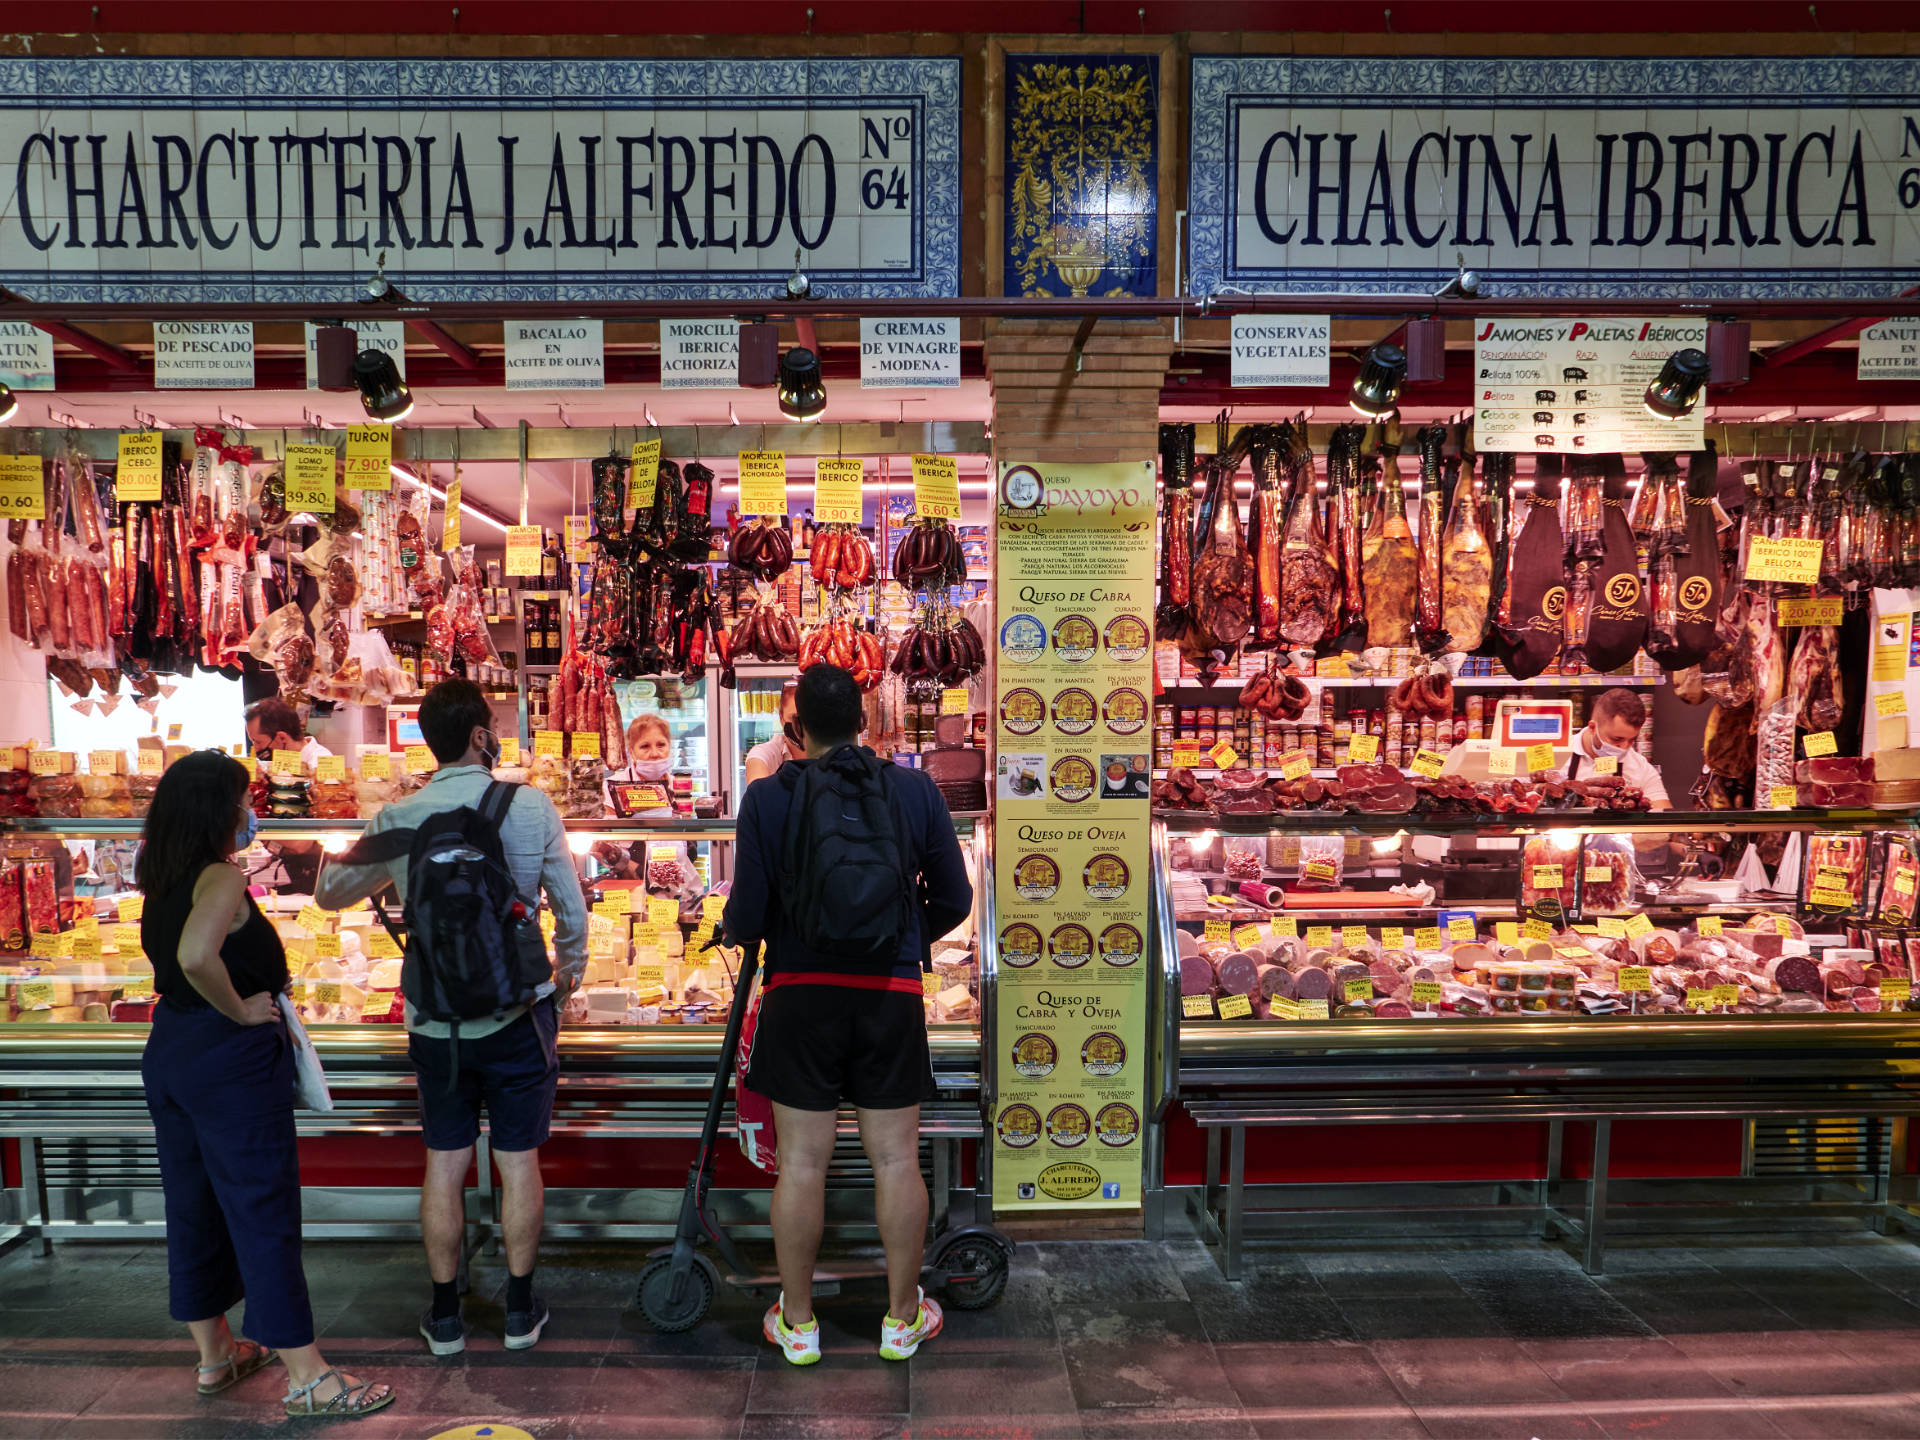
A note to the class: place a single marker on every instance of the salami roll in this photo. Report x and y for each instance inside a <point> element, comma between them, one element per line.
<point>1796,973</point>
<point>1196,976</point>
<point>1312,983</point>
<point>1386,978</point>
<point>1239,973</point>
<point>1851,972</point>
<point>1393,1010</point>
<point>1274,982</point>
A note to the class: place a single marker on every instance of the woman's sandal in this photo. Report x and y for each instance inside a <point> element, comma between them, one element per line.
<point>349,1402</point>
<point>245,1358</point>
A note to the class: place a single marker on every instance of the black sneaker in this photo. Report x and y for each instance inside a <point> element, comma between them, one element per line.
<point>447,1336</point>
<point>524,1326</point>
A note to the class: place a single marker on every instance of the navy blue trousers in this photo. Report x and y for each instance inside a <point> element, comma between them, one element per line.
<point>221,1097</point>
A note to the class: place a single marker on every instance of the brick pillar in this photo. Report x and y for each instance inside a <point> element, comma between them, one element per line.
<point>1110,410</point>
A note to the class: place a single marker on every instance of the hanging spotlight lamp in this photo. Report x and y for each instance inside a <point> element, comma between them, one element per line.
<point>384,394</point>
<point>803,393</point>
<point>1383,375</point>
<point>1678,388</point>
<point>9,403</point>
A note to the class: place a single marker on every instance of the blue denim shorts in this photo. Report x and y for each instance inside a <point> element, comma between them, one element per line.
<point>513,1072</point>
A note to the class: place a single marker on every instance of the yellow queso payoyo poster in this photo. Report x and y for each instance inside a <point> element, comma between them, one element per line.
<point>1072,766</point>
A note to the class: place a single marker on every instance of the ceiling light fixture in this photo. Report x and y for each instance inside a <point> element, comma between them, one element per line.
<point>384,394</point>
<point>466,506</point>
<point>9,403</point>
<point>1677,390</point>
<point>803,392</point>
<point>798,286</point>
<point>1383,375</point>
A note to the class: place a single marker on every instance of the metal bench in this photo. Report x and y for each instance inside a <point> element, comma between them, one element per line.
<point>1222,1203</point>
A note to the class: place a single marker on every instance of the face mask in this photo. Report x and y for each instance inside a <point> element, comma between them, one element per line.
<point>490,754</point>
<point>1601,747</point>
<point>791,730</point>
<point>650,769</point>
<point>249,827</point>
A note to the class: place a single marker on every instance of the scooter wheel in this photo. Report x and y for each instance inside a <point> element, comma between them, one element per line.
<point>976,1274</point>
<point>658,1303</point>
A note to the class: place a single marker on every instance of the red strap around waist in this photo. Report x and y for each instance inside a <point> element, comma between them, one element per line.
<point>898,983</point>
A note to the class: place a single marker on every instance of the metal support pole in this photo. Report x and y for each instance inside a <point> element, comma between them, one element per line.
<point>1556,1139</point>
<point>33,1176</point>
<point>1236,1197</point>
<point>1596,1252</point>
<point>524,427</point>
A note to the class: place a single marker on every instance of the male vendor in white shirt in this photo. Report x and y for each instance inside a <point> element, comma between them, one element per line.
<point>1611,730</point>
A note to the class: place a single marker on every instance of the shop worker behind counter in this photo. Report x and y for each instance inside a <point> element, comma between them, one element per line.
<point>1611,729</point>
<point>218,1073</point>
<point>847,870</point>
<point>474,951</point>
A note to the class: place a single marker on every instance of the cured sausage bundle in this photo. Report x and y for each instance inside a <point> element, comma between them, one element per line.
<point>1265,522</point>
<point>1309,578</point>
<point>1429,629</point>
<point>1222,588</point>
<point>929,557</point>
<point>1389,560</point>
<point>1176,532</point>
<point>840,642</point>
<point>841,558</point>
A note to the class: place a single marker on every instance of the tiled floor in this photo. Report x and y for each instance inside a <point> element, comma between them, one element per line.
<point>1119,1339</point>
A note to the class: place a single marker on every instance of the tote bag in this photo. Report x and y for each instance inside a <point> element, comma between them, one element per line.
<point>309,1080</point>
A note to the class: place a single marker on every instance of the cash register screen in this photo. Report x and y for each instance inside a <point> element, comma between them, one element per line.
<point>1520,723</point>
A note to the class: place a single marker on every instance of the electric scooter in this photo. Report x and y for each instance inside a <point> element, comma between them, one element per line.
<point>968,1265</point>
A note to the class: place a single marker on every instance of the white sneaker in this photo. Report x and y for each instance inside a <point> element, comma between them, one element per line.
<point>900,1338</point>
<point>801,1345</point>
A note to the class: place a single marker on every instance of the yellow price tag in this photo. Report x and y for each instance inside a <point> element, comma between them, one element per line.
<point>137,988</point>
<point>130,907</point>
<point>953,700</point>
<point>523,550</point>
<point>763,482</point>
<point>712,908</point>
<point>929,986</point>
<point>837,491</point>
<point>1352,937</point>
<point>585,744</point>
<point>1507,932</point>
<point>550,743</point>
<point>48,762</point>
<point>1500,760</point>
<point>1393,937</point>
<point>1612,928</point>
<point>86,944</point>
<point>1890,702</point>
<point>1425,992</point>
<point>450,527</point>
<point>35,992</point>
<point>376,765</point>
<point>369,459</point>
<point>936,487</point>
<point>1223,755</point>
<point>1547,877</point>
<point>1363,749</point>
<point>1318,870</point>
<point>327,947</point>
<point>1246,936</point>
<point>1540,757</point>
<point>616,902</point>
<point>1197,1007</point>
<point>137,475</point>
<point>23,488</point>
<point>1286,927</point>
<point>1787,562</point>
<point>1895,992</point>
<point>1460,928</point>
<point>1321,935</point>
<point>1312,1010</point>
<point>1889,664</point>
<point>1427,937</point>
<point>1638,925</point>
<point>1537,930</point>
<point>106,762</point>
<point>312,917</point>
<point>1708,926</point>
<point>1426,763</point>
<point>1294,765</point>
<point>643,481</point>
<point>331,769</point>
<point>1636,979</point>
<point>1829,899</point>
<point>1821,742</point>
<point>1823,611</point>
<point>1359,989</point>
<point>509,749</point>
<point>1235,1007</point>
<point>381,945</point>
<point>576,528</point>
<point>150,761</point>
<point>309,473</point>
<point>1699,999</point>
<point>1333,667</point>
<point>1217,932</point>
<point>1726,994</point>
<point>663,910</point>
<point>420,760</point>
<point>1781,797</point>
<point>1606,765</point>
<point>325,992</point>
<point>1186,757</point>
<point>647,935</point>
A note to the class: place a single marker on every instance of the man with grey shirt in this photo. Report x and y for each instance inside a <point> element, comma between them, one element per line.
<point>509,1063</point>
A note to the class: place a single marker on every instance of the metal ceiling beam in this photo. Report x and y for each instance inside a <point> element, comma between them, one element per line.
<point>124,361</point>
<point>1832,335</point>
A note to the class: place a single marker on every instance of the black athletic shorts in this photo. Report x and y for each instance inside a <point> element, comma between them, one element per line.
<point>817,1045</point>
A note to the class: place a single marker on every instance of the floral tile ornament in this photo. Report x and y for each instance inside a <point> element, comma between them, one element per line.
<point>1082,189</point>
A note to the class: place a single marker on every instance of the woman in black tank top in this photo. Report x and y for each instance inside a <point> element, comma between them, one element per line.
<point>218,1071</point>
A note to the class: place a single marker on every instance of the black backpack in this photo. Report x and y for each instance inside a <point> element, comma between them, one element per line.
<point>473,950</point>
<point>843,872</point>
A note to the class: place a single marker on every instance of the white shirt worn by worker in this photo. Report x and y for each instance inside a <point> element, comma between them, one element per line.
<point>1636,770</point>
<point>311,751</point>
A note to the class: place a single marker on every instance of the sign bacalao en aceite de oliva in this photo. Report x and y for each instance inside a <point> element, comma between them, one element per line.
<point>1071,871</point>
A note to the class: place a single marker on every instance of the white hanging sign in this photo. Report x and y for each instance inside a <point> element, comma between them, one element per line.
<point>699,354</point>
<point>203,355</point>
<point>387,336</point>
<point>1281,350</point>
<point>1568,387</point>
<point>555,355</point>
<point>1890,351</point>
<point>26,356</point>
<point>909,354</point>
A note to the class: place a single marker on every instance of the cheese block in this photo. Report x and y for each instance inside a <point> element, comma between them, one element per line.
<point>384,975</point>
<point>608,1006</point>
<point>50,1015</point>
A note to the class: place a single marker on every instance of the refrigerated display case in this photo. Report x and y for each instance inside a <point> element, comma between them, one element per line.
<point>687,707</point>
<point>753,717</point>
